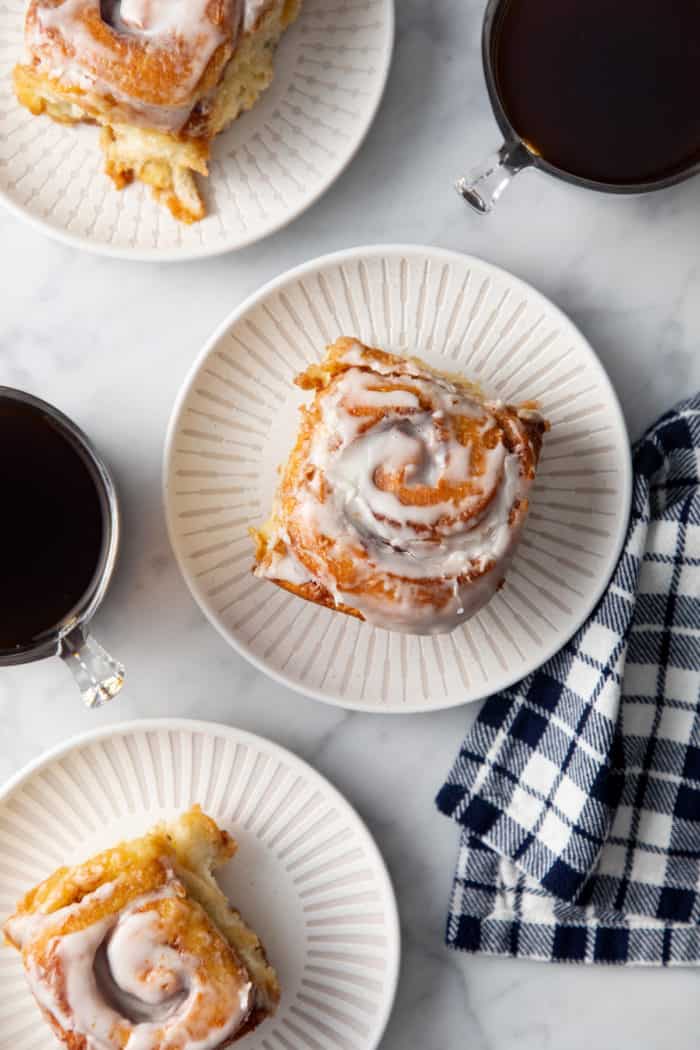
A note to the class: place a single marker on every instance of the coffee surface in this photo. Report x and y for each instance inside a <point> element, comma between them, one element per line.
<point>603,89</point>
<point>52,525</point>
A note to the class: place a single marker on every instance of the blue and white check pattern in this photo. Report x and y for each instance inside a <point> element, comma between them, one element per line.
<point>578,790</point>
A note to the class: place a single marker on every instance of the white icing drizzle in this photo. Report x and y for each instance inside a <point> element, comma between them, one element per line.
<point>120,975</point>
<point>254,9</point>
<point>155,25</point>
<point>365,494</point>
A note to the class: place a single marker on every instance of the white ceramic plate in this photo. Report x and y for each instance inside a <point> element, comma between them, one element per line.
<point>267,168</point>
<point>235,421</point>
<point>307,876</point>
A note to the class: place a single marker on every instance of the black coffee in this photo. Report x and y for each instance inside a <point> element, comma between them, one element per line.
<point>52,524</point>
<point>603,89</point>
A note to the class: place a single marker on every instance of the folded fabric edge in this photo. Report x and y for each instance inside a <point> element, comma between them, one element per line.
<point>532,778</point>
<point>575,943</point>
<point>480,801</point>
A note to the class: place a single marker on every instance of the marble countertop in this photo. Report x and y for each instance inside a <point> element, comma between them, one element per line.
<point>110,342</point>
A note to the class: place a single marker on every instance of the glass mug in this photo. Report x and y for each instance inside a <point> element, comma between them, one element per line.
<point>484,185</point>
<point>59,536</point>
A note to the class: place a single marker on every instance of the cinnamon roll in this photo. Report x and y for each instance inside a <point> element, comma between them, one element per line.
<point>404,497</point>
<point>138,947</point>
<point>162,78</point>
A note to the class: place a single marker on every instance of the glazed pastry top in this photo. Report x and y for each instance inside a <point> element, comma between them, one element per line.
<point>129,977</point>
<point>407,488</point>
<point>151,54</point>
<point>137,948</point>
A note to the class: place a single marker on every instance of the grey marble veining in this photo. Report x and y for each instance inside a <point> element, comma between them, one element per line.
<point>110,343</point>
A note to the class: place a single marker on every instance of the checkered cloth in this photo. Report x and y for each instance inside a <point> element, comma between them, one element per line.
<point>578,790</point>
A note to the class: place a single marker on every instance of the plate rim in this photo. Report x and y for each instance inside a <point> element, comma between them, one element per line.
<point>170,255</point>
<point>354,254</point>
<point>394,953</point>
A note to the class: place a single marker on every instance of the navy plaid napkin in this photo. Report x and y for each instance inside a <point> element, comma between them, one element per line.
<point>578,790</point>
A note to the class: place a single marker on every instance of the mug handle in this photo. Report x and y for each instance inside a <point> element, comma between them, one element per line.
<point>484,186</point>
<point>98,676</point>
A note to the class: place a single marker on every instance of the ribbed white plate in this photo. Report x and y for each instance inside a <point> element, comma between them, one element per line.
<point>307,876</point>
<point>266,169</point>
<point>235,421</point>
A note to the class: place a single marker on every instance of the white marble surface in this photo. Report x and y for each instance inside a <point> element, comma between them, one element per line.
<point>110,342</point>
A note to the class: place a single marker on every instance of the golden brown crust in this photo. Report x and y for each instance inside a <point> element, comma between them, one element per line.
<point>138,70</point>
<point>204,926</point>
<point>166,161</point>
<point>198,855</point>
<point>519,429</point>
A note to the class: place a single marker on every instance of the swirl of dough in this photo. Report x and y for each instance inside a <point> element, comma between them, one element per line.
<point>156,58</point>
<point>148,972</point>
<point>405,495</point>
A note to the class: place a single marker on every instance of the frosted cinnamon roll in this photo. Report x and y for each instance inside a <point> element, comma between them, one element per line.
<point>404,497</point>
<point>138,949</point>
<point>162,77</point>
